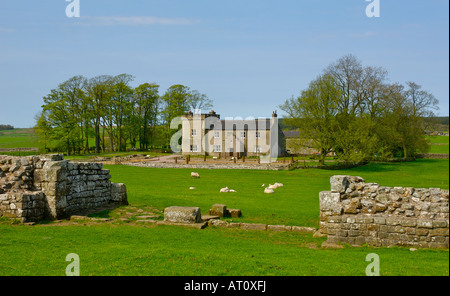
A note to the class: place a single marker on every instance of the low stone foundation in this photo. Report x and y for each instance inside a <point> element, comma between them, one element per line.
<point>47,187</point>
<point>359,213</point>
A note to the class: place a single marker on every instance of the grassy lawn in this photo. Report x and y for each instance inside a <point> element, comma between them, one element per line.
<point>439,144</point>
<point>175,251</point>
<point>131,249</point>
<point>294,204</point>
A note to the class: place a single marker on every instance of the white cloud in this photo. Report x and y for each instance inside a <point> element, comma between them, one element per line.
<point>134,21</point>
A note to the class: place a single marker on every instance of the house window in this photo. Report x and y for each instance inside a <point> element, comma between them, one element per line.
<point>242,134</point>
<point>217,148</point>
<point>193,132</point>
<point>193,148</point>
<point>258,149</point>
<point>258,135</point>
<point>216,134</point>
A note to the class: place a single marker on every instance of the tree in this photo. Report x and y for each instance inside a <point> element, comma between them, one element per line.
<point>421,101</point>
<point>347,73</point>
<point>99,92</point>
<point>146,102</point>
<point>369,116</point>
<point>199,101</point>
<point>60,119</point>
<point>74,97</point>
<point>176,101</point>
<point>314,113</point>
<point>43,129</point>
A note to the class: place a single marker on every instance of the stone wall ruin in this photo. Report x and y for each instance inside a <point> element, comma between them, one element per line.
<point>358,213</point>
<point>47,187</point>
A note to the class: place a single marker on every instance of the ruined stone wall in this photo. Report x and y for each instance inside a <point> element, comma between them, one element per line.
<point>359,213</point>
<point>34,188</point>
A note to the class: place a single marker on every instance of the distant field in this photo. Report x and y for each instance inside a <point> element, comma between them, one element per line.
<point>18,138</point>
<point>439,144</point>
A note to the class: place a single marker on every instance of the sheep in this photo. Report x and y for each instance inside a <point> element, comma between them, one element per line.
<point>275,186</point>
<point>263,185</point>
<point>195,175</point>
<point>191,188</point>
<point>232,190</point>
<point>225,189</point>
<point>268,190</point>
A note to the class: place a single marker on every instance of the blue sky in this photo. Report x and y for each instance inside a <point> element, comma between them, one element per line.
<point>248,56</point>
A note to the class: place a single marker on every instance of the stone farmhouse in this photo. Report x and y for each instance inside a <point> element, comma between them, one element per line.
<point>207,134</point>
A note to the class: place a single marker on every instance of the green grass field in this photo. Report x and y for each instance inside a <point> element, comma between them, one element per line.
<point>18,138</point>
<point>439,144</point>
<point>131,249</point>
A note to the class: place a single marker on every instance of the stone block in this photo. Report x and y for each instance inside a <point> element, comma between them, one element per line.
<point>251,226</point>
<point>234,213</point>
<point>330,201</point>
<point>279,227</point>
<point>182,214</point>
<point>118,193</point>
<point>218,210</point>
<point>424,223</point>
<point>303,229</point>
<point>339,183</point>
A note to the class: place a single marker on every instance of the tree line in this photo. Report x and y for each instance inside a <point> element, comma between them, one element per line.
<point>354,111</point>
<point>4,127</point>
<point>112,114</point>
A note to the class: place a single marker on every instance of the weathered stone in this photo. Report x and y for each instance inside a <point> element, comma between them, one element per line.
<point>330,201</point>
<point>339,183</point>
<point>353,207</point>
<point>251,226</point>
<point>182,214</point>
<point>303,229</point>
<point>279,227</point>
<point>234,213</point>
<point>218,210</point>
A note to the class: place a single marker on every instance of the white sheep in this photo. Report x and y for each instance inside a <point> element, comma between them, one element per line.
<point>195,175</point>
<point>272,186</point>
<point>232,190</point>
<point>225,189</point>
<point>191,188</point>
<point>279,184</point>
<point>268,190</point>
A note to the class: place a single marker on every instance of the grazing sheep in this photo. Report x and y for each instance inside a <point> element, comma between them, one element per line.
<point>195,175</point>
<point>225,189</point>
<point>268,190</point>
<point>279,184</point>
<point>272,186</point>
